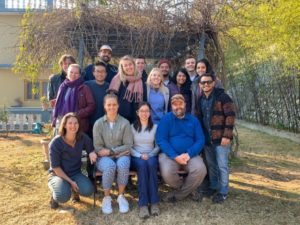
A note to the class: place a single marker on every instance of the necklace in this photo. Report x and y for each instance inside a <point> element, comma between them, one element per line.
<point>70,142</point>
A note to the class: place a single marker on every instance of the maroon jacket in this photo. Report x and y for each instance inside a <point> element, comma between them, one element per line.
<point>86,106</point>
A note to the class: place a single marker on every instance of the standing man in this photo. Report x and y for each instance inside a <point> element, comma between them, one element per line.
<point>180,138</point>
<point>98,88</point>
<point>104,53</point>
<point>57,79</point>
<point>165,66</point>
<point>190,66</point>
<point>217,114</point>
<point>141,65</point>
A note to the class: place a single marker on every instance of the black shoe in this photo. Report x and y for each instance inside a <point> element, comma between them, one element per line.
<point>209,193</point>
<point>219,198</point>
<point>196,196</point>
<point>75,197</point>
<point>53,203</point>
<point>169,197</point>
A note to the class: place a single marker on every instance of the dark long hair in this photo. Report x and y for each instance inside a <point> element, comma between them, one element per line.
<point>137,124</point>
<point>208,66</point>
<point>186,87</point>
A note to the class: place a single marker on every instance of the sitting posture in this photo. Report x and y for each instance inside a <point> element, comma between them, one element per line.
<point>65,160</point>
<point>112,141</point>
<point>180,138</point>
<point>144,160</point>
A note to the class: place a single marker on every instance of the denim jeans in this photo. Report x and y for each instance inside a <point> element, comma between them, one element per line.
<point>147,179</point>
<point>61,189</point>
<point>218,168</point>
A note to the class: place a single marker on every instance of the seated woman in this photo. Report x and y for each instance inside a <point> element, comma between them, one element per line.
<point>65,160</point>
<point>112,141</point>
<point>157,95</point>
<point>144,161</point>
<point>74,96</point>
<point>129,88</point>
<point>181,84</point>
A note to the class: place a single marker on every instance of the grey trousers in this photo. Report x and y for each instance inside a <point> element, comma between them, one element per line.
<point>183,187</point>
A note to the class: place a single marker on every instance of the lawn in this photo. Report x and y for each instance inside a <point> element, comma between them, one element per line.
<point>264,182</point>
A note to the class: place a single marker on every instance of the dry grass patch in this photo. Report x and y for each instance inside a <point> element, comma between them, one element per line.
<point>265,189</point>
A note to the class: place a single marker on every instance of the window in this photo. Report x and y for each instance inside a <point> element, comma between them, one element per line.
<point>34,91</point>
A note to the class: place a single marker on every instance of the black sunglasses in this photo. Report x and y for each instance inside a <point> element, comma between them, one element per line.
<point>206,82</point>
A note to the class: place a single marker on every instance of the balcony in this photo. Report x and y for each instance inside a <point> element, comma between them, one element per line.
<point>20,6</point>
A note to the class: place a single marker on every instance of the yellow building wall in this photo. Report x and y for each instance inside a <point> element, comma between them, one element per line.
<point>12,86</point>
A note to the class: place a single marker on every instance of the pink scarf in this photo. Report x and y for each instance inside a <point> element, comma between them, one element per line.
<point>134,90</point>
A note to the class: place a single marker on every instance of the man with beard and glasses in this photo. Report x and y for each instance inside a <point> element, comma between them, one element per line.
<point>181,139</point>
<point>104,54</point>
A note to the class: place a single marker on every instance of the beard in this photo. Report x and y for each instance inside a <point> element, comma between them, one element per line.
<point>106,59</point>
<point>179,113</point>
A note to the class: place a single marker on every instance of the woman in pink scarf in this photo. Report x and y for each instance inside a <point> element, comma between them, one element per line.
<point>129,87</point>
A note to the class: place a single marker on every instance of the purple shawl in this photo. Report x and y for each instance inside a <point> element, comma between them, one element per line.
<point>65,104</point>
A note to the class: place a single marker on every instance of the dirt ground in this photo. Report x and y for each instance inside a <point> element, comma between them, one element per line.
<point>264,189</point>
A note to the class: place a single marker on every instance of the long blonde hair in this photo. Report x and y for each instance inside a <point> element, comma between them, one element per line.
<point>120,69</point>
<point>162,88</point>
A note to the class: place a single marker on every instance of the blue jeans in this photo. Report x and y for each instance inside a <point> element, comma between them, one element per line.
<point>109,166</point>
<point>218,168</point>
<point>61,189</point>
<point>147,180</point>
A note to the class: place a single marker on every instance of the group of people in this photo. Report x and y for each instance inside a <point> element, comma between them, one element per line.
<point>128,120</point>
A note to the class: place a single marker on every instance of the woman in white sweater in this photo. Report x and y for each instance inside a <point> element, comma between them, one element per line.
<point>144,160</point>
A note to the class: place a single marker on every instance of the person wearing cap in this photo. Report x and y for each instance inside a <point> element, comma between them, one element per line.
<point>216,112</point>
<point>180,138</point>
<point>165,66</point>
<point>104,54</point>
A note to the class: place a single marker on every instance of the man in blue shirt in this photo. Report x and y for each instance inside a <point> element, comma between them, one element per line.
<point>181,139</point>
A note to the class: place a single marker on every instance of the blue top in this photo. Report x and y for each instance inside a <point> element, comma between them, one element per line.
<point>98,92</point>
<point>157,102</point>
<point>66,157</point>
<point>110,69</point>
<point>175,136</point>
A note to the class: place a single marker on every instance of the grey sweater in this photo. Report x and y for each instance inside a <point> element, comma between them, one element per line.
<point>144,142</point>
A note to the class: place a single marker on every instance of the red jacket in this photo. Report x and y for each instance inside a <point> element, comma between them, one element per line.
<point>86,106</point>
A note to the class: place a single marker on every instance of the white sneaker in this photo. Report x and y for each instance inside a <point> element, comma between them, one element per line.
<point>123,204</point>
<point>106,205</point>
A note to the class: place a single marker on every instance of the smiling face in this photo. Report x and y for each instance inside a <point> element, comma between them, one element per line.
<point>73,73</point>
<point>100,74</point>
<point>178,108</point>
<point>180,78</point>
<point>165,69</point>
<point>201,68</point>
<point>111,106</point>
<point>128,67</point>
<point>155,78</point>
<point>207,84</point>
<point>140,64</point>
<point>144,113</point>
<point>190,65</point>
<point>72,125</point>
<point>65,64</point>
<point>105,55</point>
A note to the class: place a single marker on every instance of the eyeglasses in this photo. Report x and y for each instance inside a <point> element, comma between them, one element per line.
<point>206,82</point>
